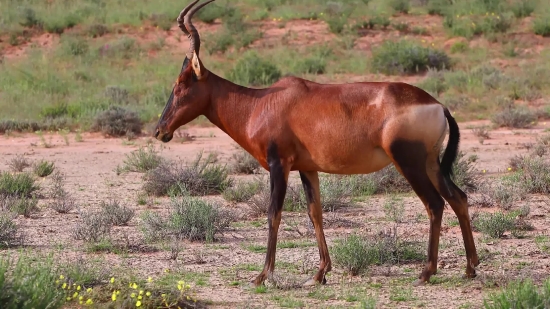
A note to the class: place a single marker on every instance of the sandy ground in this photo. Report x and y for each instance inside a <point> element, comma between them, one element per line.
<point>90,169</point>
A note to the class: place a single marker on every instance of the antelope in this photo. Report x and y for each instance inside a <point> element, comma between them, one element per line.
<point>355,128</point>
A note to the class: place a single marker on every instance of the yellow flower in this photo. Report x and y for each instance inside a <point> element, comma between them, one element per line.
<point>140,292</point>
<point>179,287</point>
<point>68,299</point>
<point>112,279</point>
<point>140,297</point>
<point>89,302</point>
<point>117,292</point>
<point>483,171</point>
<point>150,279</point>
<point>89,290</point>
<point>64,285</point>
<point>188,286</point>
<point>509,168</point>
<point>133,295</point>
<point>78,288</point>
<point>61,277</point>
<point>81,298</point>
<point>138,303</point>
<point>134,286</point>
<point>148,293</point>
<point>81,302</point>
<point>56,281</point>
<point>163,295</point>
<point>113,297</point>
<point>75,294</point>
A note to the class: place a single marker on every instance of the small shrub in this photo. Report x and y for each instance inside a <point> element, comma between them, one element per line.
<point>116,95</point>
<point>541,26</point>
<point>401,6</point>
<point>18,185</point>
<point>352,254</point>
<point>336,24</point>
<point>212,12</point>
<point>335,193</point>
<point>97,30</point>
<point>438,7</point>
<point>244,163</point>
<point>253,70</point>
<point>380,21</point>
<point>18,163</point>
<point>388,180</point>
<point>494,225</point>
<point>195,219</point>
<point>523,8</point>
<point>94,227</point>
<point>74,46</point>
<point>514,117</point>
<point>406,57</point>
<point>141,160</point>
<point>161,21</point>
<point>459,47</point>
<point>242,192</point>
<point>19,205</point>
<point>464,174</point>
<point>434,83</point>
<point>259,203</point>
<point>63,204</point>
<point>310,65</point>
<point>481,132</point>
<point>9,232</point>
<point>29,19</point>
<point>219,41</point>
<point>519,294</point>
<point>43,168</point>
<point>394,208</point>
<point>153,226</point>
<point>533,174</point>
<point>201,177</point>
<point>116,214</point>
<point>117,121</point>
<point>401,27</point>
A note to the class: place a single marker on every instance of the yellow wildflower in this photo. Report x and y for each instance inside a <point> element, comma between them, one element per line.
<point>81,302</point>
<point>188,286</point>
<point>133,295</point>
<point>179,287</point>
<point>61,277</point>
<point>89,302</point>
<point>140,292</point>
<point>140,297</point>
<point>113,278</point>
<point>64,285</point>
<point>134,286</point>
<point>509,168</point>
<point>138,303</point>
<point>150,279</point>
<point>81,298</point>
<point>163,295</point>
<point>148,293</point>
<point>75,294</point>
<point>113,297</point>
<point>78,288</point>
<point>89,290</point>
<point>68,299</point>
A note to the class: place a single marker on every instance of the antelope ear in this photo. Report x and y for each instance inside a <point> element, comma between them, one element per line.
<point>200,72</point>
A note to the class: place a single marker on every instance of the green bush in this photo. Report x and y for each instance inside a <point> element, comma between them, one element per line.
<point>17,185</point>
<point>541,25</point>
<point>311,65</point>
<point>438,7</point>
<point>494,225</point>
<point>117,121</point>
<point>212,12</point>
<point>519,295</point>
<point>73,45</point>
<point>401,6</point>
<point>9,234</point>
<point>523,8</point>
<point>201,177</point>
<point>251,69</point>
<point>141,160</point>
<point>43,168</point>
<point>195,219</point>
<point>514,117</point>
<point>434,83</point>
<point>407,57</point>
<point>115,213</point>
<point>533,173</point>
<point>28,282</point>
<point>336,24</point>
<point>335,192</point>
<point>242,191</point>
<point>244,163</point>
<point>19,205</point>
<point>352,254</point>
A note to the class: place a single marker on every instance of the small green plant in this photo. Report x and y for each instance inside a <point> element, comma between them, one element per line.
<point>61,201</point>
<point>541,25</point>
<point>407,57</point>
<point>43,168</point>
<point>43,139</point>
<point>19,205</point>
<point>336,192</point>
<point>93,228</point>
<point>519,294</point>
<point>514,117</point>
<point>459,47</point>
<point>311,65</point>
<point>242,191</point>
<point>190,218</point>
<point>18,185</point>
<point>352,254</point>
<point>494,225</point>
<point>201,177</point>
<point>251,69</point>
<point>9,232</point>
<point>244,163</point>
<point>401,6</point>
<point>141,160</point>
<point>394,208</point>
<point>523,8</point>
<point>434,83</point>
<point>18,163</point>
<point>117,121</point>
<point>115,213</point>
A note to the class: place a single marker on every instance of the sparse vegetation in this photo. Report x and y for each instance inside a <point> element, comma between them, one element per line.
<point>242,191</point>
<point>519,294</point>
<point>252,70</point>
<point>407,57</point>
<point>514,117</point>
<point>17,185</point>
<point>19,163</point>
<point>117,121</point>
<point>93,228</point>
<point>10,234</point>
<point>115,213</point>
<point>494,225</point>
<point>142,160</point>
<point>43,168</point>
<point>200,177</point>
<point>244,163</point>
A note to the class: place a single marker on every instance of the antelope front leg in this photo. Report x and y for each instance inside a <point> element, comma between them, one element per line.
<point>278,181</point>
<point>310,181</point>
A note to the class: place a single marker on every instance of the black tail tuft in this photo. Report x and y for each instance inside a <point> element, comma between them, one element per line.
<point>452,146</point>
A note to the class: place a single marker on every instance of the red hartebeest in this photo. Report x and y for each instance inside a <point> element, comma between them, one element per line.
<point>299,125</point>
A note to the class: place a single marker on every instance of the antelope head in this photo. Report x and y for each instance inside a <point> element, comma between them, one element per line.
<point>190,95</point>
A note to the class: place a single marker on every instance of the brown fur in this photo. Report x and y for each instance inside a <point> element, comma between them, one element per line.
<point>356,128</point>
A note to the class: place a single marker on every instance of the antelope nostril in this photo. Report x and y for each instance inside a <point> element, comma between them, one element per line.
<point>157,133</point>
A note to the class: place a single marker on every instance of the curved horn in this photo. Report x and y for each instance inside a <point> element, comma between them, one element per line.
<point>182,15</point>
<point>193,34</point>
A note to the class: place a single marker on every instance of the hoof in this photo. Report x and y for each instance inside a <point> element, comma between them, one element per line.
<point>419,282</point>
<point>469,276</point>
<point>310,282</point>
